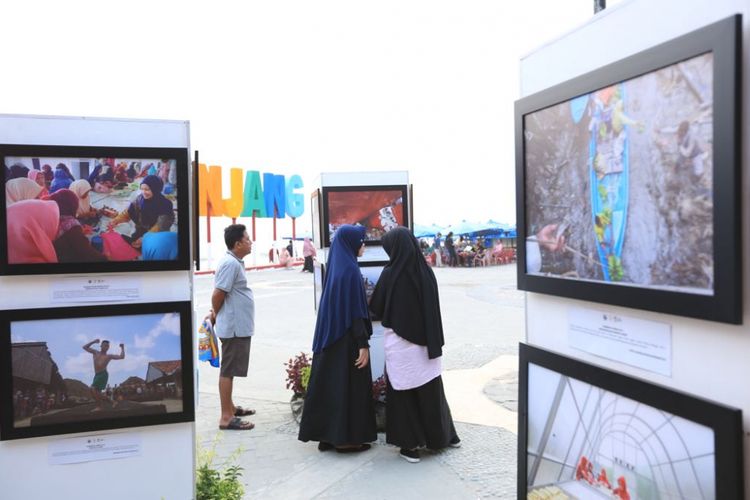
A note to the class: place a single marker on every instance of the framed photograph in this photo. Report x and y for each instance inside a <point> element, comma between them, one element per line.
<point>628,181</point>
<point>316,222</point>
<point>377,208</point>
<point>80,209</point>
<point>371,272</point>
<point>319,274</point>
<point>587,432</point>
<point>95,368</point>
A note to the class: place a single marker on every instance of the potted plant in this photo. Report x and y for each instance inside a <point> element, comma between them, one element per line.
<point>378,397</point>
<point>297,378</point>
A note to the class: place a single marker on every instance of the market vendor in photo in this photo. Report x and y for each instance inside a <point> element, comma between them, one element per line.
<point>145,210</point>
<point>117,203</point>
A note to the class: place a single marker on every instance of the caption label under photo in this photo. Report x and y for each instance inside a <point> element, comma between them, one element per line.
<point>644,344</point>
<point>94,448</point>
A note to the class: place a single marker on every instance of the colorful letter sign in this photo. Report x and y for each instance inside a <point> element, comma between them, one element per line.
<point>276,196</point>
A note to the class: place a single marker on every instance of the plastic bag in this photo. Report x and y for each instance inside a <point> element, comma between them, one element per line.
<point>208,344</point>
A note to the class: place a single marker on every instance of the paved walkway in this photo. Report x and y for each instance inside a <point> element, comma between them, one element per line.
<point>483,322</point>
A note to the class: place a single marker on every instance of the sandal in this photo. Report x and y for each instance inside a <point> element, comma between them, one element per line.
<point>237,424</point>
<point>242,412</point>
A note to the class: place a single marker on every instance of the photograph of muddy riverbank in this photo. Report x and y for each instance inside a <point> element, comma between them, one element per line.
<point>618,182</point>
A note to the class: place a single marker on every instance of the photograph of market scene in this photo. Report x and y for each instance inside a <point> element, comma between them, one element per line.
<point>90,210</point>
<point>585,442</point>
<point>619,182</point>
<point>83,369</point>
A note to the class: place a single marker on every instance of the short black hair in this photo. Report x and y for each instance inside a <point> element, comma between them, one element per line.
<point>234,233</point>
<point>107,341</point>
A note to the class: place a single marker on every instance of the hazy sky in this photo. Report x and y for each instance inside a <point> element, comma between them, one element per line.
<point>148,337</point>
<point>301,86</point>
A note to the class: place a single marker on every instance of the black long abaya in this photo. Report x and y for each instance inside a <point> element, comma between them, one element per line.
<point>406,297</point>
<point>338,405</point>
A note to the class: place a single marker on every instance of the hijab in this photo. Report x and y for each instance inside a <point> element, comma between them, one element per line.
<point>308,250</point>
<point>343,298</point>
<point>32,225</point>
<point>406,296</point>
<point>145,212</point>
<point>18,171</point>
<point>67,203</point>
<point>80,188</point>
<point>21,188</point>
<point>61,180</point>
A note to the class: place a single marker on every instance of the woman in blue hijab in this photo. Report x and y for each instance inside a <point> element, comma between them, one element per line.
<point>145,210</point>
<point>338,410</point>
<point>62,178</point>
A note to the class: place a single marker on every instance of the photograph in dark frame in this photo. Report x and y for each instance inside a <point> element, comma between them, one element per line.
<point>94,368</point>
<point>71,209</point>
<point>377,208</point>
<point>371,272</point>
<point>587,432</point>
<point>315,214</point>
<point>627,181</point>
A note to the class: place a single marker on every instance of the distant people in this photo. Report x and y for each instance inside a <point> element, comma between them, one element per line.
<point>452,257</point>
<point>406,298</point>
<point>161,244</point>
<point>290,248</point>
<point>309,253</point>
<point>62,178</point>
<point>285,259</point>
<point>21,188</point>
<point>101,376</point>
<point>38,177</point>
<point>621,492</point>
<point>603,480</point>
<point>71,245</point>
<point>31,229</point>
<point>145,210</point>
<point>233,316</point>
<point>438,250</point>
<point>339,411</point>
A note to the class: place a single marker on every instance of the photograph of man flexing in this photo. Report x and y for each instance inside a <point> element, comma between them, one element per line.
<point>101,376</point>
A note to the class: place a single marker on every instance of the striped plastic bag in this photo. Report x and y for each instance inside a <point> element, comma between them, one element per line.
<point>208,344</point>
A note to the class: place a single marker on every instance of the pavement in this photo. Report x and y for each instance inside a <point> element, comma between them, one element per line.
<point>483,323</point>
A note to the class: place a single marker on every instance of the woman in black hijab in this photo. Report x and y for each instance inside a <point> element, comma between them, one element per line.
<point>406,298</point>
<point>338,410</point>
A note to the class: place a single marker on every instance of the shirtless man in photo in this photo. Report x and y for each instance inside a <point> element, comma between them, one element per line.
<point>101,360</point>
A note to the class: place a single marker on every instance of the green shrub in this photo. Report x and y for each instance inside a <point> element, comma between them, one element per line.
<point>218,482</point>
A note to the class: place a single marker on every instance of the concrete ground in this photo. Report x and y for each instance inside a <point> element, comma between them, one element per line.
<point>483,323</point>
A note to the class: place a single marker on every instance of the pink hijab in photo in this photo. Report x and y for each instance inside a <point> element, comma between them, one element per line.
<point>38,177</point>
<point>19,189</point>
<point>32,226</point>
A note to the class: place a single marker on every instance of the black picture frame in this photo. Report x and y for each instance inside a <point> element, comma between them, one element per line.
<point>180,155</point>
<point>369,270</point>
<point>9,431</point>
<point>319,281</point>
<point>326,192</point>
<point>722,302</point>
<point>646,400</point>
<point>315,213</point>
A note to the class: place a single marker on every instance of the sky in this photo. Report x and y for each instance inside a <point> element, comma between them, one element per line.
<point>147,337</point>
<point>302,87</point>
